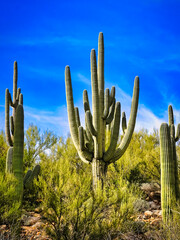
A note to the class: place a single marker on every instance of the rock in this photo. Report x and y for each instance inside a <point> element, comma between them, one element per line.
<point>156,202</point>
<point>150,187</point>
<point>141,205</point>
<point>38,225</point>
<point>155,195</point>
<point>157,213</point>
<point>152,205</point>
<point>148,214</point>
<point>2,227</point>
<point>156,222</point>
<point>31,221</point>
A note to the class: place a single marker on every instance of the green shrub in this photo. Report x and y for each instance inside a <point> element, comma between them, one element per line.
<point>9,208</point>
<point>69,205</point>
<point>141,161</point>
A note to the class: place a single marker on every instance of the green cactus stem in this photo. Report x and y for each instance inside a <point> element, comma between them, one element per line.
<point>169,168</point>
<point>9,160</point>
<point>90,142</point>
<point>10,120</point>
<point>18,149</point>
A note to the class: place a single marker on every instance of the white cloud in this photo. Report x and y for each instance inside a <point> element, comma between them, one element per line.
<point>84,79</point>
<point>56,121</point>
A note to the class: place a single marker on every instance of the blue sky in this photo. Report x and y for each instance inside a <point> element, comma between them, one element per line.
<point>141,38</point>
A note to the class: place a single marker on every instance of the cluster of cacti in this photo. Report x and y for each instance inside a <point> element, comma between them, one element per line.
<point>14,129</point>
<point>169,167</point>
<point>31,175</point>
<point>90,141</point>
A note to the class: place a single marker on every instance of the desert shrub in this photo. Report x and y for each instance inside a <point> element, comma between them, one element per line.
<point>70,207</point>
<point>36,143</point>
<point>10,211</point>
<point>3,152</point>
<point>141,161</point>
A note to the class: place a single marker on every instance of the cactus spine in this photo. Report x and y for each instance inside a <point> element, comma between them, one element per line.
<point>169,167</point>
<point>90,142</point>
<point>14,129</point>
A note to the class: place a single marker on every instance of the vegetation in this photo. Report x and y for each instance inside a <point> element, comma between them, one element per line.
<point>64,193</point>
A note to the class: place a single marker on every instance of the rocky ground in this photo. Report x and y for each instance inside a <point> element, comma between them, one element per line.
<point>149,212</point>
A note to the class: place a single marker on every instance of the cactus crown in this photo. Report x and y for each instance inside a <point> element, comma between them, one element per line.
<point>9,102</point>
<point>90,141</point>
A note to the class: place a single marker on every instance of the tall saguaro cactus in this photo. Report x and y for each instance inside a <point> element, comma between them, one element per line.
<point>90,142</point>
<point>169,167</point>
<point>14,129</point>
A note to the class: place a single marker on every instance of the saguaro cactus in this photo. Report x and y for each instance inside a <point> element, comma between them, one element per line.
<point>14,129</point>
<point>90,142</point>
<point>169,167</point>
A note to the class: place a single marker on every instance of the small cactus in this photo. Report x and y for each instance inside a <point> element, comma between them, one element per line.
<point>31,175</point>
<point>90,142</point>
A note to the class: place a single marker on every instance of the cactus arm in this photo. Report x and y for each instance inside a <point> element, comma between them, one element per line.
<point>111,113</point>
<point>18,93</point>
<point>70,108</point>
<point>15,88</point>
<point>9,159</point>
<point>10,100</point>
<point>88,119</point>
<point>170,114</point>
<point>15,82</point>
<point>95,103</point>
<point>21,99</point>
<point>115,133</point>
<point>106,103</point>
<point>131,124</point>
<point>124,123</point>
<point>12,125</point>
<point>18,150</point>
<point>177,133</point>
<point>112,95</point>
<point>88,142</point>
<point>85,156</point>
<point>81,138</point>
<point>7,127</point>
<point>78,122</point>
<point>86,101</point>
<point>101,135</point>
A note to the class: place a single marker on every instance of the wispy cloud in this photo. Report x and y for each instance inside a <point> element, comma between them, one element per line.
<point>55,121</point>
<point>44,72</point>
<point>83,79</point>
<point>45,41</point>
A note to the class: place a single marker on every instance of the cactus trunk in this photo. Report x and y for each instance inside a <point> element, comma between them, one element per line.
<point>99,169</point>
<point>169,169</point>
<point>167,174</point>
<point>19,150</point>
